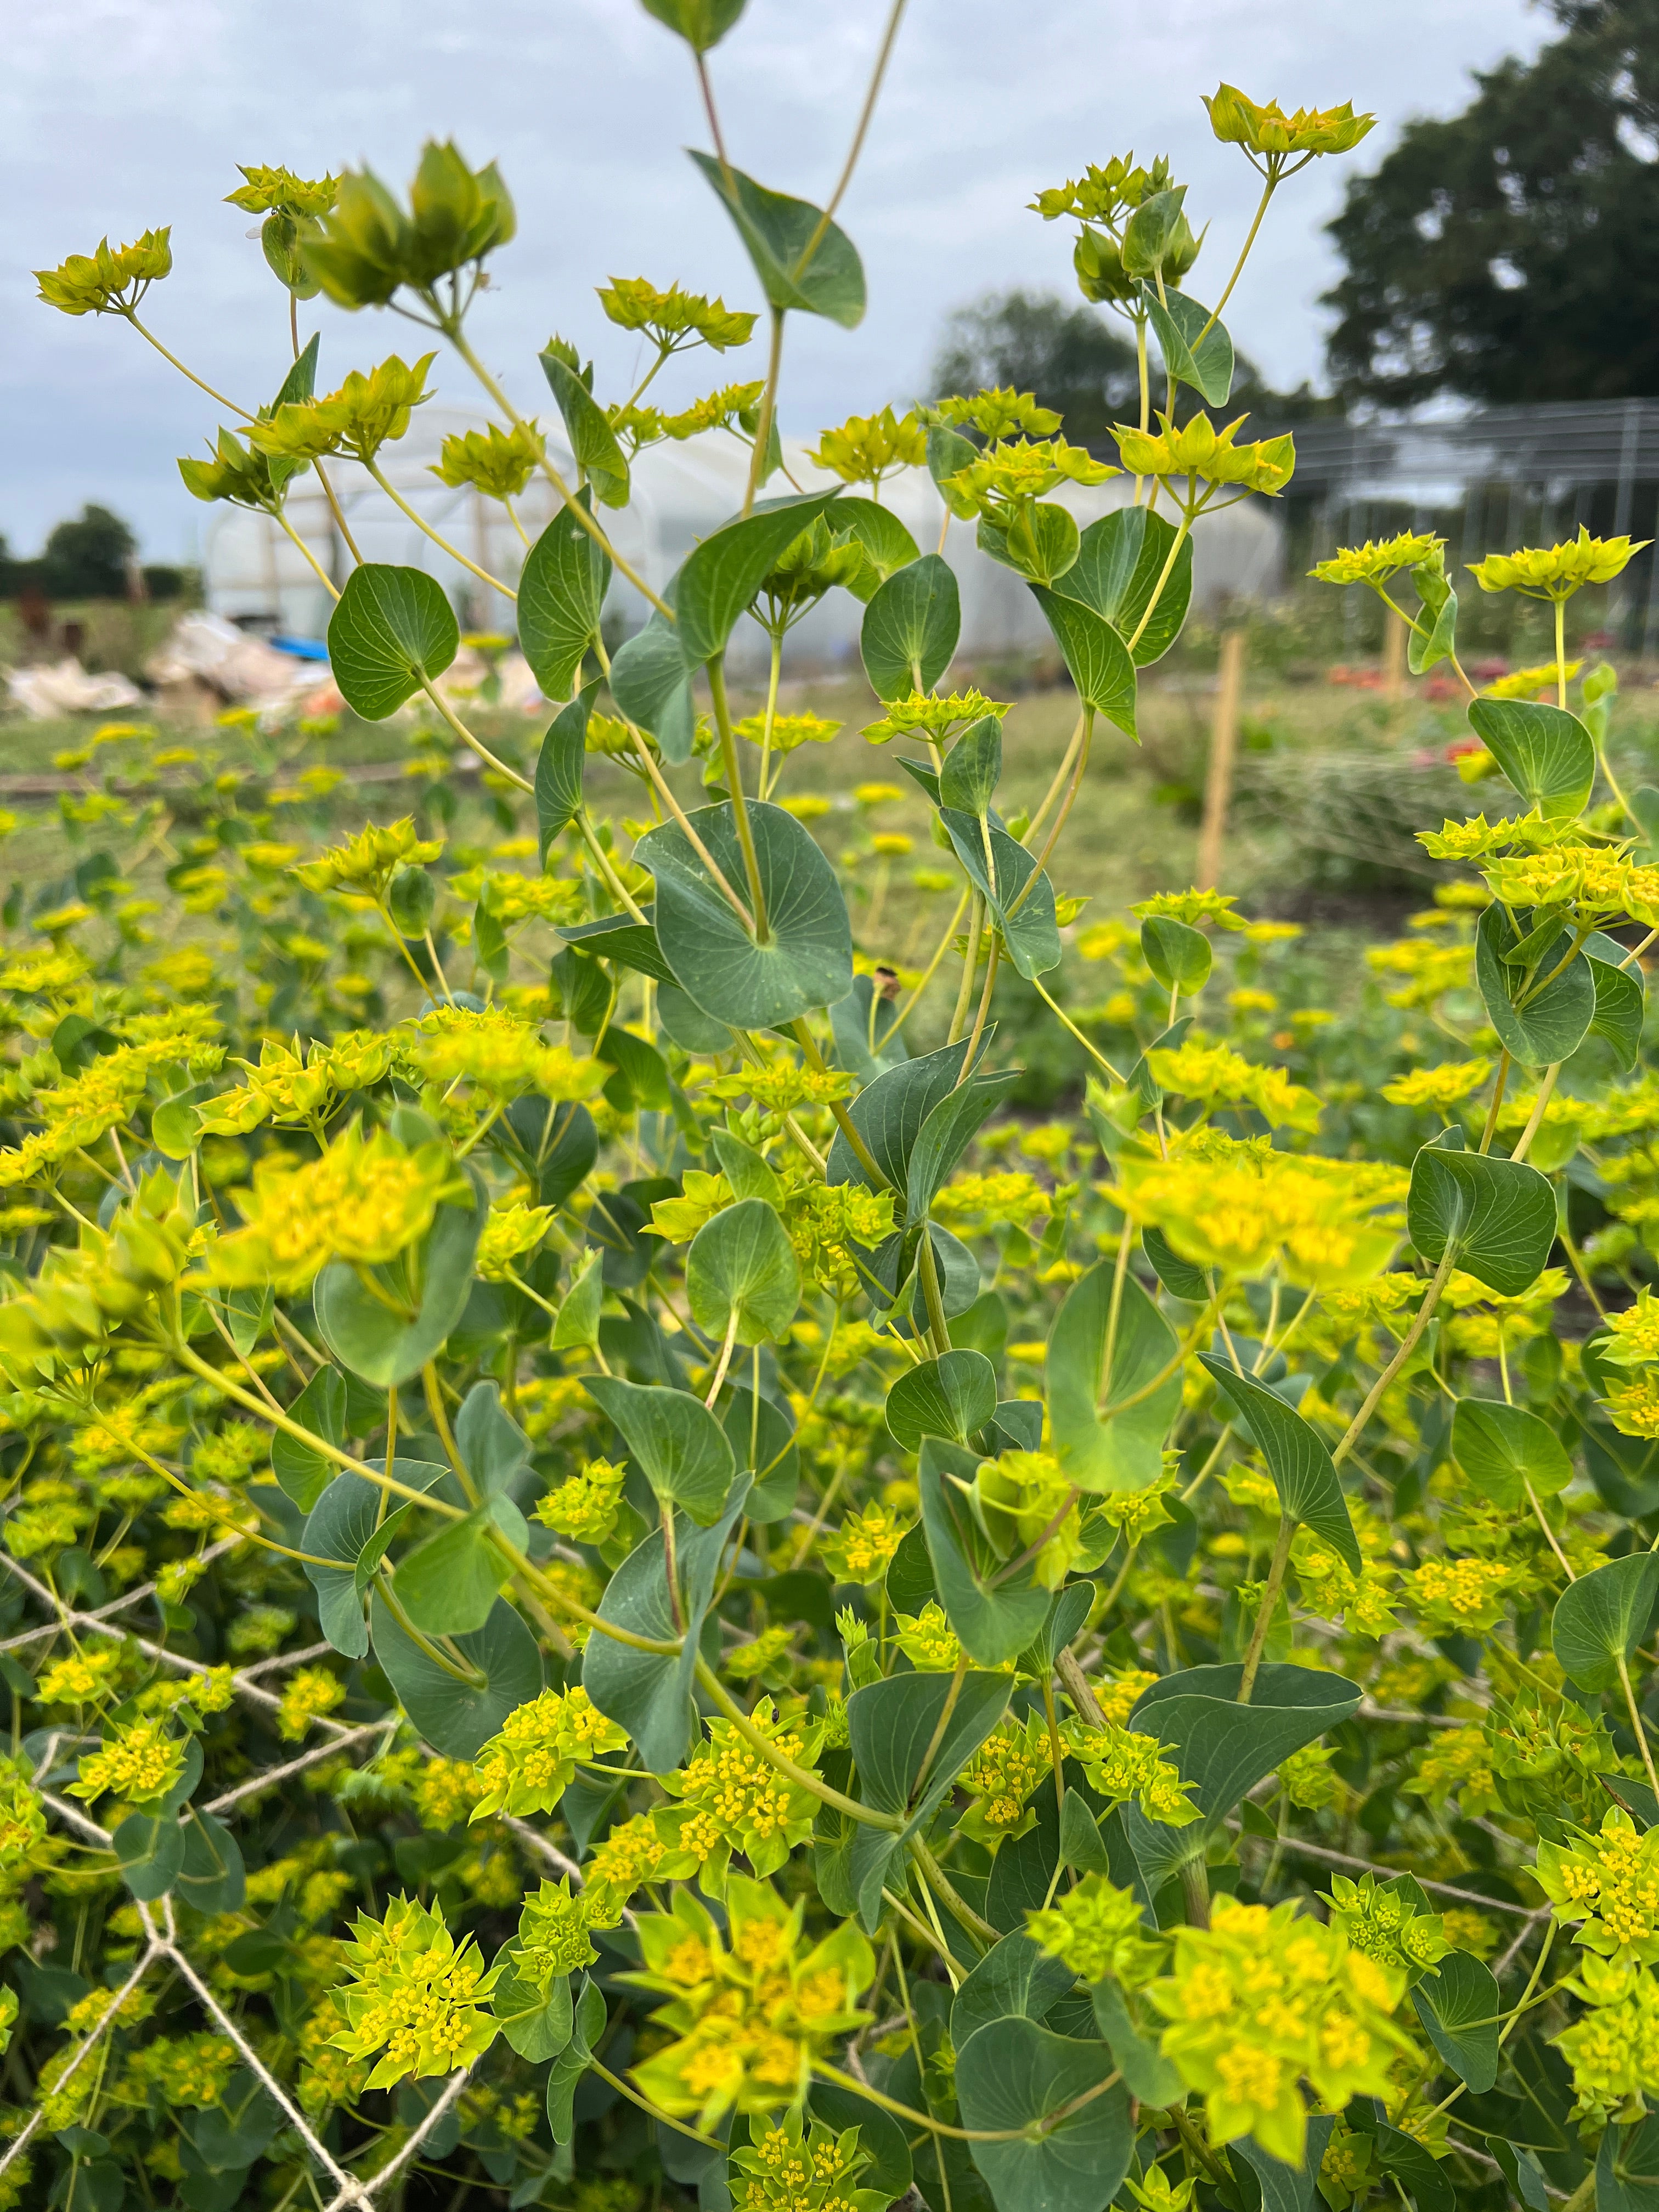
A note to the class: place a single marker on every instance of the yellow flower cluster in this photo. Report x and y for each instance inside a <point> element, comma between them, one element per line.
<point>1098,1931</point>
<point>414,1996</point>
<point>1013,471</point>
<point>792,2168</point>
<point>366,864</point>
<point>733,1798</point>
<point>1557,571</point>
<point>1609,1882</point>
<point>308,1693</point>
<point>748,2008</point>
<point>528,1765</point>
<point>1121,1764</point>
<point>999,1778</point>
<point>787,732</point>
<point>1263,127</point>
<point>867,447</point>
<point>1214,1076</point>
<point>932,715</point>
<point>974,1204</point>
<point>1474,839</point>
<point>1445,1086</point>
<point>513,1232</point>
<point>1375,562</point>
<point>1465,1594</point>
<point>140,1763</point>
<point>366,413</point>
<point>862,1548</point>
<point>1200,452</point>
<point>585,1506</point>
<point>503,1057</point>
<point>1613,2049</point>
<point>1025,1500</point>
<point>1259,2001</point>
<point>22,1817</point>
<point>1238,1207</point>
<point>364,1201</point>
<point>1600,883</point>
<point>628,1856</point>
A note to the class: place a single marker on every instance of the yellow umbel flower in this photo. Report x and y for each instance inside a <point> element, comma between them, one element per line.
<point>1014,471</point>
<point>733,1798</point>
<point>365,414</point>
<point>749,2010</point>
<point>862,1548</point>
<point>110,281</point>
<point>1376,561</point>
<point>1262,126</point>
<point>789,730</point>
<point>499,1055</point>
<point>674,320</point>
<point>414,1997</point>
<point>140,1763</point>
<point>1121,1764</point>
<point>1609,1883</point>
<point>511,1231</point>
<point>1099,1932</point>
<point>366,863</point>
<point>530,1763</point>
<point>1236,1207</point>
<point>867,447</point>
<point>1261,2001</point>
<point>1556,571</point>
<point>925,712</point>
<point>1445,1086</point>
<point>500,462</point>
<point>367,1200</point>
<point>1198,451</point>
<point>1213,1075</point>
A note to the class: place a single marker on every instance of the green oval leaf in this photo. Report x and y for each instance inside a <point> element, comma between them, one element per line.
<point>1013,2075</point>
<point>910,629</point>
<point>392,631</point>
<point>1096,655</point>
<point>1600,1619</point>
<point>742,1266</point>
<point>673,1439</point>
<point>592,440</point>
<point>1026,920</point>
<point>649,1692</point>
<point>1178,955</point>
<point>1547,754</point>
<point>717,582</point>
<point>1196,351</point>
<point>1549,1025</point>
<point>953,1396</point>
<point>561,590</point>
<point>457,1716</point>
<point>364,1334</point>
<point>887,544</point>
<point>777,231</point>
<point>651,686</point>
<point>1303,1472</point>
<point>1620,1004</point>
<point>449,1583</point>
<point>1460,2008</point>
<point>559,768</point>
<point>1119,563</point>
<point>807,960</point>
<point>995,1613</point>
<point>1098,1449</point>
<point>1498,1216</point>
<point>1503,1448</point>
<point>344,1519</point>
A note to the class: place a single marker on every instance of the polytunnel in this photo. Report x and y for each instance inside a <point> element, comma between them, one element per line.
<point>253,576</point>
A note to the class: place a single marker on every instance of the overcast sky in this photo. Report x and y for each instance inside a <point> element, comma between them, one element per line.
<point>118,114</point>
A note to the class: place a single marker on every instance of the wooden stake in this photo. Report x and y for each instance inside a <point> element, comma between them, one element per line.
<point>1224,744</point>
<point>1393,657</point>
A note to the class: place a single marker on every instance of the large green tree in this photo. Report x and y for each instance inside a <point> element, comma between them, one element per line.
<point>1508,254</point>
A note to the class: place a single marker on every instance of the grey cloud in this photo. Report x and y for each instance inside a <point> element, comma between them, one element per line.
<point>115,114</point>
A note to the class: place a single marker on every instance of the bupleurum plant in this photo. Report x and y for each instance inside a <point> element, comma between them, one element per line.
<point>620,1587</point>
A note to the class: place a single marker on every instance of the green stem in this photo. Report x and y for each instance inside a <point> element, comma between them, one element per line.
<point>802,1777</point>
<point>1281,1560</point>
<point>739,804</point>
<point>442,543</point>
<point>1408,1345</point>
<point>1179,540</point>
<point>1268,191</point>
